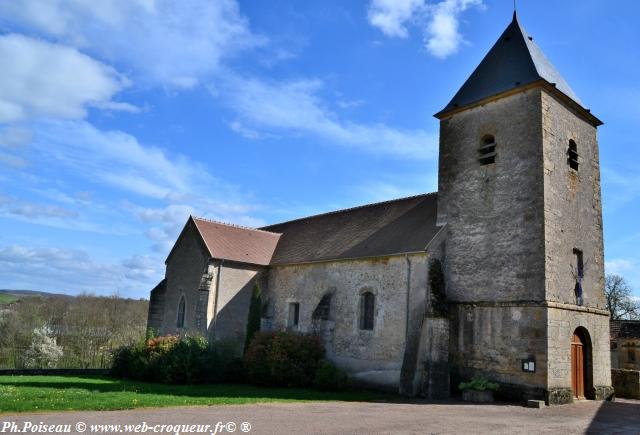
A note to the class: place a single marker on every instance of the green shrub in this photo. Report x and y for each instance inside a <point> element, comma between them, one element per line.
<point>234,371</point>
<point>330,378</point>
<point>478,384</point>
<point>256,366</point>
<point>283,359</point>
<point>177,360</point>
<point>220,363</point>
<point>130,362</point>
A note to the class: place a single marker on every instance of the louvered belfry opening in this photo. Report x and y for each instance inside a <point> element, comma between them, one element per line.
<point>572,155</point>
<point>487,150</point>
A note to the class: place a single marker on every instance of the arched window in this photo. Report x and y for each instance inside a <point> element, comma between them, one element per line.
<point>367,311</point>
<point>572,155</point>
<point>181,309</point>
<point>487,150</point>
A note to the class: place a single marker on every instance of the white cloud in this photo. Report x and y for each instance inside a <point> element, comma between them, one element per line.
<point>75,271</point>
<point>30,210</point>
<point>69,217</point>
<point>618,266</point>
<point>40,79</point>
<point>349,104</point>
<point>390,16</point>
<point>296,106</point>
<point>443,38</point>
<point>165,223</point>
<point>439,21</point>
<point>116,158</point>
<point>243,131</point>
<point>173,43</point>
<point>142,268</point>
<point>162,188</point>
<point>392,186</point>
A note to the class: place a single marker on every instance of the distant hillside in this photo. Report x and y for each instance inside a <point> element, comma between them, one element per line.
<point>23,293</point>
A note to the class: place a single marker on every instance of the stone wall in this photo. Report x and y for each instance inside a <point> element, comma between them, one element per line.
<point>185,267</point>
<point>628,353</point>
<point>562,322</point>
<point>513,229</point>
<point>492,340</point>
<point>572,207</point>
<point>434,360</point>
<point>494,213</point>
<point>156,307</point>
<point>626,383</point>
<point>399,283</point>
<point>229,308</point>
<point>573,221</point>
<point>217,292</point>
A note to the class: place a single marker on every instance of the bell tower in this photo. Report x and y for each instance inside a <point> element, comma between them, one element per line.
<point>519,196</point>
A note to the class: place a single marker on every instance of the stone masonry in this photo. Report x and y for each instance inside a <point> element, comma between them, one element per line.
<point>516,224</point>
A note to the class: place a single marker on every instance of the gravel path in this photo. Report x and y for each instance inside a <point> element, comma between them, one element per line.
<point>621,417</point>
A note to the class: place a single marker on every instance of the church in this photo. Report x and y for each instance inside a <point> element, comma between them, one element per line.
<point>511,246</point>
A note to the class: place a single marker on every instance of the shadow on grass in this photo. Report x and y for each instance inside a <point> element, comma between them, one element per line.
<point>224,393</point>
<point>101,384</point>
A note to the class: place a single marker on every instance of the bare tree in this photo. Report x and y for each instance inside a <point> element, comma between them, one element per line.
<point>619,300</point>
<point>86,327</point>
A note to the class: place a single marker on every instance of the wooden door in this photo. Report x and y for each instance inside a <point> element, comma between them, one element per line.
<point>577,366</point>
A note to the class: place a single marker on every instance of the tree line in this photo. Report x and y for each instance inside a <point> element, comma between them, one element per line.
<point>68,332</point>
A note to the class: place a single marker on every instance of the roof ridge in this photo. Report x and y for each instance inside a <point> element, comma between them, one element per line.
<point>344,210</point>
<point>228,224</point>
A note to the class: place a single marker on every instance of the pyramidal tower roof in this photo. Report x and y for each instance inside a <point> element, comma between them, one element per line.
<point>515,60</point>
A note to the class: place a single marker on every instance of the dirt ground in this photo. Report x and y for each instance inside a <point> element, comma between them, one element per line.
<point>621,417</point>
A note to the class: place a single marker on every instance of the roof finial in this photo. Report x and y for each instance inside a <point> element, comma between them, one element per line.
<point>515,9</point>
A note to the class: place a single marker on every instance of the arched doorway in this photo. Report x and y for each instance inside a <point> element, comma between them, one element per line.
<point>580,363</point>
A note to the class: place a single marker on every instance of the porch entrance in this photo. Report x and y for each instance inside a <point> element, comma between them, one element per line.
<point>579,351</point>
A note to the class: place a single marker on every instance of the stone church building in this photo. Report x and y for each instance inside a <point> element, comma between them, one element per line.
<point>516,226</point>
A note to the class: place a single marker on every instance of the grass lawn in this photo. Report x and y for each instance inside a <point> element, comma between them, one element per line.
<point>58,393</point>
<point>7,299</point>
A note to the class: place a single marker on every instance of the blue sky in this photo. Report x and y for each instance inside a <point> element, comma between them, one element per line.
<point>120,118</point>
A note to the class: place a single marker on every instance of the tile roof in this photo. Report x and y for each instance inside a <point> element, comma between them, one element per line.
<point>390,227</point>
<point>515,60</point>
<point>236,243</point>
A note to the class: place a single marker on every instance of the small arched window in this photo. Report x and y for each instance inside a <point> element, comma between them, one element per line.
<point>367,311</point>
<point>181,310</point>
<point>572,155</point>
<point>487,150</point>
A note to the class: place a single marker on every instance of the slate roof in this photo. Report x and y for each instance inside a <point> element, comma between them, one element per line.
<point>236,243</point>
<point>515,60</point>
<point>392,227</point>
